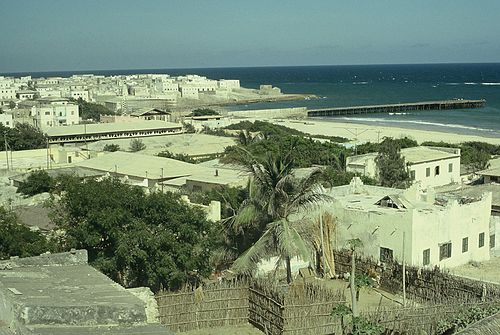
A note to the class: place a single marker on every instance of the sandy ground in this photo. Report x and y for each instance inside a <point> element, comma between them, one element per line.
<point>190,144</point>
<point>487,271</point>
<point>365,133</point>
<point>369,299</point>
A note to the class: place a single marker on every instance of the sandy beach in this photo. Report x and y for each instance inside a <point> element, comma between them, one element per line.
<point>364,133</point>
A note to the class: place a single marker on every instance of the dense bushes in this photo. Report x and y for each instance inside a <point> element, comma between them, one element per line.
<point>37,182</point>
<point>17,239</point>
<point>22,137</point>
<point>137,239</point>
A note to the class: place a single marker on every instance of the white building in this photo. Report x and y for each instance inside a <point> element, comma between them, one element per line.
<point>26,94</point>
<point>55,112</point>
<point>6,120</point>
<point>229,84</point>
<point>446,230</point>
<point>78,94</point>
<point>189,92</point>
<point>431,166</point>
<point>7,93</point>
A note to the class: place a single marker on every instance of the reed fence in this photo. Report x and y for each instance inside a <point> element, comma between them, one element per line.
<point>212,305</point>
<point>301,308</point>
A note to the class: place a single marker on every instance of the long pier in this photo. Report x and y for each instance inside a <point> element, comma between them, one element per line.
<point>396,108</point>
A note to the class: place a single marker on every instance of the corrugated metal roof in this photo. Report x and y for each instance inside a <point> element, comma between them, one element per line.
<point>82,129</point>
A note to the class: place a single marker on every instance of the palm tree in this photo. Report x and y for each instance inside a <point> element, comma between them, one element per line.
<point>275,196</point>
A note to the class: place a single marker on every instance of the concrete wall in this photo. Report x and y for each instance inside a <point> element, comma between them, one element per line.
<point>275,113</point>
<point>495,230</point>
<point>383,228</point>
<point>445,176</point>
<point>451,224</point>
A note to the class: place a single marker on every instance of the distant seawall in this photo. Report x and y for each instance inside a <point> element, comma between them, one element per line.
<point>274,113</point>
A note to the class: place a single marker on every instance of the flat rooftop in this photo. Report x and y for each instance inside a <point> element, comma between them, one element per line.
<point>422,154</point>
<point>62,294</point>
<point>99,128</point>
<point>142,166</point>
<point>415,155</point>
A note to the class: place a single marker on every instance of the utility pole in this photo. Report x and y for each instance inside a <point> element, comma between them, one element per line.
<point>355,133</point>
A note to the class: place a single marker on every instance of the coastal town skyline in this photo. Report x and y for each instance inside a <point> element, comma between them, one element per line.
<point>92,35</point>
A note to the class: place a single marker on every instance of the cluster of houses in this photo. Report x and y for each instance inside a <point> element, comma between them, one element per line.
<point>49,103</point>
<point>45,102</point>
<point>439,221</point>
<point>120,92</point>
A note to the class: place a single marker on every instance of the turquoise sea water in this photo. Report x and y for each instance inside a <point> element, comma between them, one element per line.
<point>373,84</point>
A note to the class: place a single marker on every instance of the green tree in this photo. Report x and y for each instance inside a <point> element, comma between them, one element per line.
<point>37,182</point>
<point>12,104</point>
<point>17,239</point>
<point>188,128</point>
<point>154,240</point>
<point>334,177</point>
<point>136,144</point>
<point>91,111</point>
<point>111,147</point>
<point>203,112</point>
<point>275,195</point>
<point>22,137</point>
<point>392,170</point>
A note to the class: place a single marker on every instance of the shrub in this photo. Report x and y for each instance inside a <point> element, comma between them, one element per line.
<point>37,182</point>
<point>136,145</point>
<point>111,147</point>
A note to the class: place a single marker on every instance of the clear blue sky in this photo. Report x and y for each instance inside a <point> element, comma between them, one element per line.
<point>44,35</point>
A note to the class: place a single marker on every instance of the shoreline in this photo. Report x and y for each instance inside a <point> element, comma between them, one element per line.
<point>367,133</point>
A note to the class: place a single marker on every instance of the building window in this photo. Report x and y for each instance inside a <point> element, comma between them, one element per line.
<point>386,255</point>
<point>412,174</point>
<point>47,113</point>
<point>450,167</point>
<point>436,171</point>
<point>428,172</point>
<point>444,251</point>
<point>492,241</point>
<point>481,240</point>
<point>465,244</point>
<point>427,256</point>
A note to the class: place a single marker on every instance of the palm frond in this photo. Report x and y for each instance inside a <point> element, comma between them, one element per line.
<point>263,248</point>
<point>290,242</point>
<point>246,216</point>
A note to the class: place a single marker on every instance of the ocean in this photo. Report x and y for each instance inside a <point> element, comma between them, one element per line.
<point>353,85</point>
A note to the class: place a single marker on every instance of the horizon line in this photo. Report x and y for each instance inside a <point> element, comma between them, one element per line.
<point>233,67</point>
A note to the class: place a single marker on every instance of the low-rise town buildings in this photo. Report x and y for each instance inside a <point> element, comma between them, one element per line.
<point>431,166</point>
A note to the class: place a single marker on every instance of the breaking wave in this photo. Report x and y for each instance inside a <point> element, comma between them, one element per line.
<point>424,123</point>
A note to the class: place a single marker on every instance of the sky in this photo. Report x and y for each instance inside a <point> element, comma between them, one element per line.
<point>72,35</point>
